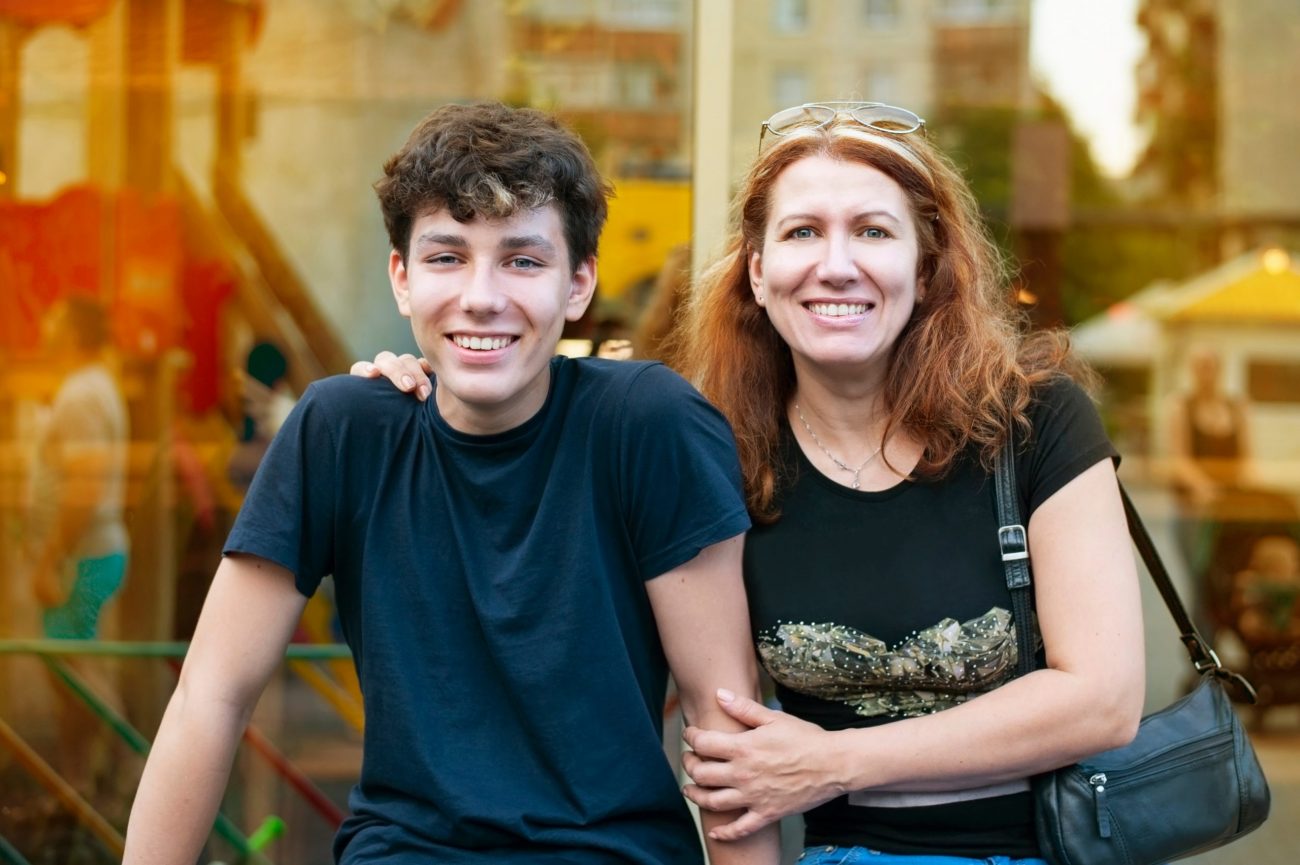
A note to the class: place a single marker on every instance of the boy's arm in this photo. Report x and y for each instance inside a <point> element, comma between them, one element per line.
<point>247,620</point>
<point>703,622</point>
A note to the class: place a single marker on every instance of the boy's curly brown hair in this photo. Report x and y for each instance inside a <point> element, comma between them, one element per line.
<point>491,161</point>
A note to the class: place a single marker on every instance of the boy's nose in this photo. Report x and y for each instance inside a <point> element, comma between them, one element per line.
<point>481,296</point>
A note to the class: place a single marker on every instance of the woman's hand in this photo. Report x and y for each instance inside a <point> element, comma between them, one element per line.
<point>407,372</point>
<point>781,766</point>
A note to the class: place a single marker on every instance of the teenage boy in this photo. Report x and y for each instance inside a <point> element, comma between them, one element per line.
<point>515,558</point>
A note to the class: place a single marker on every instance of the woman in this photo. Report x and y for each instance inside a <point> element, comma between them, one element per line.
<point>857,335</point>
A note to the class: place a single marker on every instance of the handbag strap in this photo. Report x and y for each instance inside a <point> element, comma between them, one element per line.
<point>1013,543</point>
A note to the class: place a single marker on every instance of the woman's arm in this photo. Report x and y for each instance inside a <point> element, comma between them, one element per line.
<point>247,620</point>
<point>1088,698</point>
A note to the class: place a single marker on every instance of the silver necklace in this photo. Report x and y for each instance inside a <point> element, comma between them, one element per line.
<point>857,473</point>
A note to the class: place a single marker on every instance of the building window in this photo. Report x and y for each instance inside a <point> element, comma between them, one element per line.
<point>647,14</point>
<point>1273,381</point>
<point>790,16</point>
<point>967,11</point>
<point>576,85</point>
<point>789,87</point>
<point>638,85</point>
<point>881,14</point>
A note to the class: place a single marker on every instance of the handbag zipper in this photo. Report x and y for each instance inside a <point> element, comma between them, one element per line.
<point>1098,781</point>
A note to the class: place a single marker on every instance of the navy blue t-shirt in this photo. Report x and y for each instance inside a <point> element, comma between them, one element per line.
<point>491,589</point>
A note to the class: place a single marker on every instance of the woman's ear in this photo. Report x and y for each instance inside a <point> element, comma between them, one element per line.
<point>756,276</point>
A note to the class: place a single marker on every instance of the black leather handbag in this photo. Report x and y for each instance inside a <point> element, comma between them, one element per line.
<point>1188,782</point>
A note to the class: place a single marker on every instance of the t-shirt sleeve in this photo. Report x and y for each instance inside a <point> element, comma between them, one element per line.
<point>680,477</point>
<point>288,514</point>
<point>1068,439</point>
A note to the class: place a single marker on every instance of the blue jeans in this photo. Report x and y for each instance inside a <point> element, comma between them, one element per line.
<point>863,856</point>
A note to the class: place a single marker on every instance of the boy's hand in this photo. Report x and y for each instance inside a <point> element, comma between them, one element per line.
<point>407,372</point>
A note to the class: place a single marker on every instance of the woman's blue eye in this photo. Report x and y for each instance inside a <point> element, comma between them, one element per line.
<point>876,232</point>
<point>802,233</point>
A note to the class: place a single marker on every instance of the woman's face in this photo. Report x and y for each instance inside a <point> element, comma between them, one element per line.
<point>837,272</point>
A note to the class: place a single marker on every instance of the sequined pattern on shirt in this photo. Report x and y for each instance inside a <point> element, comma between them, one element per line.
<point>937,668</point>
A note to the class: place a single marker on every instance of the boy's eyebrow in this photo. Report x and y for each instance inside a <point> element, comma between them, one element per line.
<point>434,238</point>
<point>529,241</point>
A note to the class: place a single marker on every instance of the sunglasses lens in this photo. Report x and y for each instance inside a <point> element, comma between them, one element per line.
<point>790,119</point>
<point>888,118</point>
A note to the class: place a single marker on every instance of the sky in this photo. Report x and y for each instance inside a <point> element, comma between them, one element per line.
<point>1085,53</point>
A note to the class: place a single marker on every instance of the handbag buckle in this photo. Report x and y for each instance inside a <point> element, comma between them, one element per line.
<point>1014,543</point>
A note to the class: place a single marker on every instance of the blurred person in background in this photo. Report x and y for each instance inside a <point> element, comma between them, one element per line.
<point>267,400</point>
<point>79,540</point>
<point>80,535</point>
<point>1209,449</point>
<point>671,286</point>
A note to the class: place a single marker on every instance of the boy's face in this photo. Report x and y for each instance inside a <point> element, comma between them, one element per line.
<point>487,300</point>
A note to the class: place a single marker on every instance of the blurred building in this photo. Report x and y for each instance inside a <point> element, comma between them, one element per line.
<point>1216,98</point>
<point>617,70</point>
<point>927,55</point>
<point>981,54</point>
<point>1259,130</point>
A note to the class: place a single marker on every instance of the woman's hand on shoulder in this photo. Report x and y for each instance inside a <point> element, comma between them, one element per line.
<point>408,373</point>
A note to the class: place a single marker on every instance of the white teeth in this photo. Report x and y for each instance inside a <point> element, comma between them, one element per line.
<point>481,343</point>
<point>838,309</point>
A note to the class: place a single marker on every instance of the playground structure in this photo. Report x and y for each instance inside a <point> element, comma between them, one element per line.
<point>251,847</point>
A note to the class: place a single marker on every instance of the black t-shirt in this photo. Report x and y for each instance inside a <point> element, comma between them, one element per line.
<point>492,590</point>
<point>868,607</point>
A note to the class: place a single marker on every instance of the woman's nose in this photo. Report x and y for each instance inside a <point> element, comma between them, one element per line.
<point>836,266</point>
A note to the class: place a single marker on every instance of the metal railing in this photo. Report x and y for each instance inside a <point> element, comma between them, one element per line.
<point>52,653</point>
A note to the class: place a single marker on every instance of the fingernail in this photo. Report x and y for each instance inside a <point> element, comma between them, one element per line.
<point>725,696</point>
<point>367,367</point>
<point>423,392</point>
<point>407,381</point>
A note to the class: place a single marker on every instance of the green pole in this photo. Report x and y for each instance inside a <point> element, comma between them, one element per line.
<point>138,743</point>
<point>113,648</point>
<point>9,855</point>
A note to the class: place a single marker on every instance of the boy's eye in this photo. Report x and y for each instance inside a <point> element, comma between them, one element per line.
<point>445,258</point>
<point>524,263</point>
